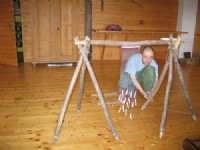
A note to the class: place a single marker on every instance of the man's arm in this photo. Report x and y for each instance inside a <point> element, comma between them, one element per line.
<point>149,92</point>
<point>154,85</point>
<point>138,86</point>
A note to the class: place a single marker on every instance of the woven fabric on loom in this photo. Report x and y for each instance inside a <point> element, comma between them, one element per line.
<point>127,93</point>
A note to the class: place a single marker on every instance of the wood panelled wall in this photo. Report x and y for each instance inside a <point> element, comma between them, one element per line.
<point>7,33</point>
<point>158,17</point>
<point>157,14</point>
<point>49,27</point>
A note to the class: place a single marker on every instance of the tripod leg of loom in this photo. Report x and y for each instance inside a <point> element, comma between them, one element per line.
<point>169,83</point>
<point>184,88</point>
<point>158,84</point>
<point>82,78</point>
<point>94,80</point>
<point>66,101</point>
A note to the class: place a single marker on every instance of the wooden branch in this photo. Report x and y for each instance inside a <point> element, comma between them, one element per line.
<point>176,63</point>
<point>77,42</point>
<point>168,88</point>
<point>157,85</point>
<point>94,80</point>
<point>177,43</point>
<point>106,94</point>
<point>66,101</point>
<point>125,43</point>
<point>111,103</point>
<point>82,79</point>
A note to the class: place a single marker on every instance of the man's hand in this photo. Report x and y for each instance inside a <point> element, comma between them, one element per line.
<point>146,94</point>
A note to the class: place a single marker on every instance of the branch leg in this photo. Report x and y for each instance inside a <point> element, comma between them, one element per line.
<point>66,101</point>
<point>158,84</point>
<point>166,102</point>
<point>106,112</point>
<point>184,88</point>
<point>82,78</point>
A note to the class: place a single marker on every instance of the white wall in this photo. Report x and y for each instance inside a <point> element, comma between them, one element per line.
<point>186,23</point>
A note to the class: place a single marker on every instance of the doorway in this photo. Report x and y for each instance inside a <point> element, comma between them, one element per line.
<point>18,30</point>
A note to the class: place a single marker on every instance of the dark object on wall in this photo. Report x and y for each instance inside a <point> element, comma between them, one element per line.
<point>187,54</point>
<point>102,5</point>
<point>136,3</point>
<point>113,27</point>
<point>191,144</point>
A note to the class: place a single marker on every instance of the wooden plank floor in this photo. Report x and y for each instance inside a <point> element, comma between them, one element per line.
<point>31,99</point>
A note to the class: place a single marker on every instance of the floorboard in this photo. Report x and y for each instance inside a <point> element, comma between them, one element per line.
<point>31,98</point>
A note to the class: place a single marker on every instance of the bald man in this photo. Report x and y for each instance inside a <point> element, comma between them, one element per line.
<point>140,68</point>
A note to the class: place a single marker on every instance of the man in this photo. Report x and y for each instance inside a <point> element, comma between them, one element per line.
<point>140,68</point>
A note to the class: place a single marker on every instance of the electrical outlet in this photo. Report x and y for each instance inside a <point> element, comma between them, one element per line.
<point>141,22</point>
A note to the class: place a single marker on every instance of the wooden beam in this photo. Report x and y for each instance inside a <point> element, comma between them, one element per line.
<point>88,23</point>
<point>125,43</point>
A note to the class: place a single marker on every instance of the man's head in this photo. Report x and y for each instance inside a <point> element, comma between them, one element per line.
<point>147,55</point>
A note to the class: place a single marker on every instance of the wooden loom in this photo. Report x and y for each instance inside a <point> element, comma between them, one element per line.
<point>84,63</point>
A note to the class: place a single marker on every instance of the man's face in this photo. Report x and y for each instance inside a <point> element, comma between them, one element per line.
<point>147,56</point>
